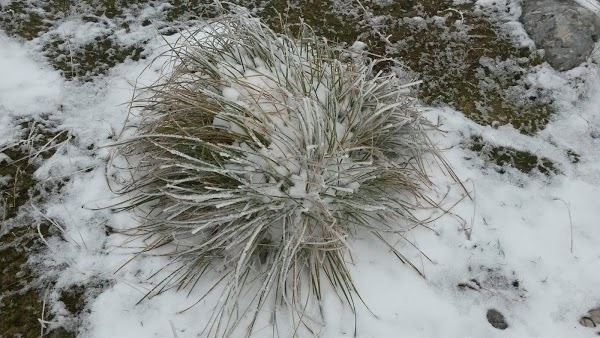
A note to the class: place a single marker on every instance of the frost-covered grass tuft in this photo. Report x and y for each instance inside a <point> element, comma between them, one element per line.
<point>257,158</point>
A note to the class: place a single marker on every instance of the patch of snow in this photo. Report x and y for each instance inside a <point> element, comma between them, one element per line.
<point>28,88</point>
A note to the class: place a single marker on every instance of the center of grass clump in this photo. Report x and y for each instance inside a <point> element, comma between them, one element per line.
<point>258,155</point>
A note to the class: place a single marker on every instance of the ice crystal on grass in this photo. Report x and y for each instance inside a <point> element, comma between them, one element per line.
<point>258,155</point>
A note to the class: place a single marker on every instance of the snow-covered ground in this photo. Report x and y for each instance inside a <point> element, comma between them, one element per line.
<point>533,252</point>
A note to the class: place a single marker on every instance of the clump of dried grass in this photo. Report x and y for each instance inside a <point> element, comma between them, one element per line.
<point>258,155</point>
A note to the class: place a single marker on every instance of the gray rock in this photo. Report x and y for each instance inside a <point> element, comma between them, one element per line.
<point>592,319</point>
<point>496,318</point>
<point>587,322</point>
<point>566,31</point>
<point>594,314</point>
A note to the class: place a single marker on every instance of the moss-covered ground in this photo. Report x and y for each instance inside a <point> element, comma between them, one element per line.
<point>504,157</point>
<point>21,288</point>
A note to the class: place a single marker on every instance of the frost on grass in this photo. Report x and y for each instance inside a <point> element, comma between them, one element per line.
<point>257,157</point>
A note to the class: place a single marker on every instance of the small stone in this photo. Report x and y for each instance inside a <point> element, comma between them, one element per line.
<point>595,315</point>
<point>497,320</point>
<point>587,322</point>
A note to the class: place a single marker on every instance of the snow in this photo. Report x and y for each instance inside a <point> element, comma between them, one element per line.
<point>542,232</point>
<point>27,88</point>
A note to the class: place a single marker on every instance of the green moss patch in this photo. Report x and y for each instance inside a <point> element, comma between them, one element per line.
<point>28,20</point>
<point>20,313</point>
<point>189,10</point>
<point>465,62</point>
<point>504,157</point>
<point>95,58</point>
<point>20,288</point>
<point>18,168</point>
<point>20,18</point>
<point>321,15</point>
<point>74,299</point>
